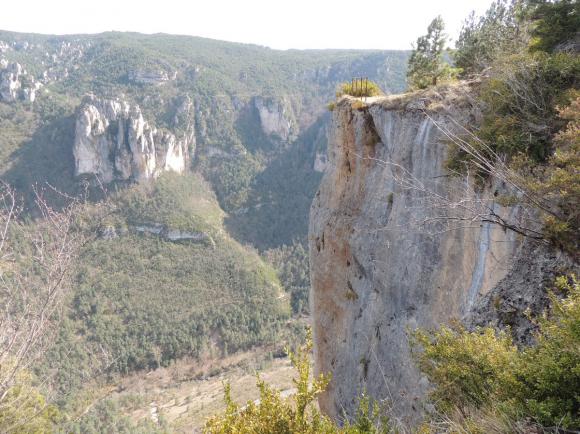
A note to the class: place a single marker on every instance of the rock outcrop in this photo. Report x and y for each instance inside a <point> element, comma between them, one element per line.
<point>320,162</point>
<point>382,259</point>
<point>150,77</point>
<point>275,117</point>
<point>523,293</point>
<point>16,84</point>
<point>164,232</point>
<point>173,234</point>
<point>115,143</point>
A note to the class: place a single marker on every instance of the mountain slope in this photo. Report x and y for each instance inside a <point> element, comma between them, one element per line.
<point>173,273</point>
<point>242,94</point>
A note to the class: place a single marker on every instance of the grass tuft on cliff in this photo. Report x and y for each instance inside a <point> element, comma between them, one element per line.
<point>364,88</point>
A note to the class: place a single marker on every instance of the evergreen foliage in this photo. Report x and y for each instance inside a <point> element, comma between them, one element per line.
<point>143,301</point>
<point>426,66</point>
<point>293,269</point>
<point>526,85</point>
<point>481,369</point>
<point>556,24</point>
<point>483,39</point>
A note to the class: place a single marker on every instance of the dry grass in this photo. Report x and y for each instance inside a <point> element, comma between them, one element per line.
<point>434,99</point>
<point>488,421</point>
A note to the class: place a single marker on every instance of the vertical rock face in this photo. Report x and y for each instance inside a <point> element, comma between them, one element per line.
<point>378,268</point>
<point>114,142</point>
<point>274,117</point>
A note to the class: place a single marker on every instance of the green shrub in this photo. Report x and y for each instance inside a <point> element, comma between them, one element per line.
<point>520,102</point>
<point>557,181</point>
<point>531,117</point>
<point>484,370</point>
<point>467,369</point>
<point>364,88</point>
<point>24,408</point>
<point>549,372</point>
<point>272,414</point>
<point>555,23</point>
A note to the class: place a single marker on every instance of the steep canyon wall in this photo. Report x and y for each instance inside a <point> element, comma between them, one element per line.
<point>382,261</point>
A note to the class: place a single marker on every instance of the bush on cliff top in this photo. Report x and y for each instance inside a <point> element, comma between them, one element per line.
<point>364,88</point>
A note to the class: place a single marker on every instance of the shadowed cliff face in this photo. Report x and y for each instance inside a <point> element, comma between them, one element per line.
<point>381,261</point>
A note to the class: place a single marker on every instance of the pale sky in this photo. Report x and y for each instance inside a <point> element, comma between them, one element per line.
<point>381,24</point>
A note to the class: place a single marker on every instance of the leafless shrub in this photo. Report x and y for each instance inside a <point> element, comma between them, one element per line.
<point>458,200</point>
<point>36,260</point>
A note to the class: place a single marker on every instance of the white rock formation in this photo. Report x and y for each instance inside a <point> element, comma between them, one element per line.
<point>275,118</point>
<point>15,83</point>
<point>320,162</point>
<point>150,77</point>
<point>114,142</point>
<point>172,234</point>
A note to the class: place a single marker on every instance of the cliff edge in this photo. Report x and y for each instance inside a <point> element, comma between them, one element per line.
<point>383,260</point>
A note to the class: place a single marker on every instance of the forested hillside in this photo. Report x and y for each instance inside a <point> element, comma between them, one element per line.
<point>229,85</point>
<point>192,266</point>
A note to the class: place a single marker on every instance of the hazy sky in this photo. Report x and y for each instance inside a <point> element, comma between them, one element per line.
<point>278,24</point>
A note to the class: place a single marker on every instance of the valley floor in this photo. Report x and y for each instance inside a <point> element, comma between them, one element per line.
<point>187,393</point>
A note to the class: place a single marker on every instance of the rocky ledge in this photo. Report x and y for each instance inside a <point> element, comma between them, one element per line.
<point>164,232</point>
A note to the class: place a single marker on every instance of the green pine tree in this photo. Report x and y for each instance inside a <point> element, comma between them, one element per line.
<point>426,64</point>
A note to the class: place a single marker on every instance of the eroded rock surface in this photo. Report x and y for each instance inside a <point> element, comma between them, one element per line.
<point>154,77</point>
<point>114,142</point>
<point>275,117</point>
<point>16,84</point>
<point>381,262</point>
<point>524,292</point>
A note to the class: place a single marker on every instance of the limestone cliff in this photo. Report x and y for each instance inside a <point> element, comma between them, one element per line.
<point>114,142</point>
<point>382,262</point>
<point>275,117</point>
<point>16,84</point>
